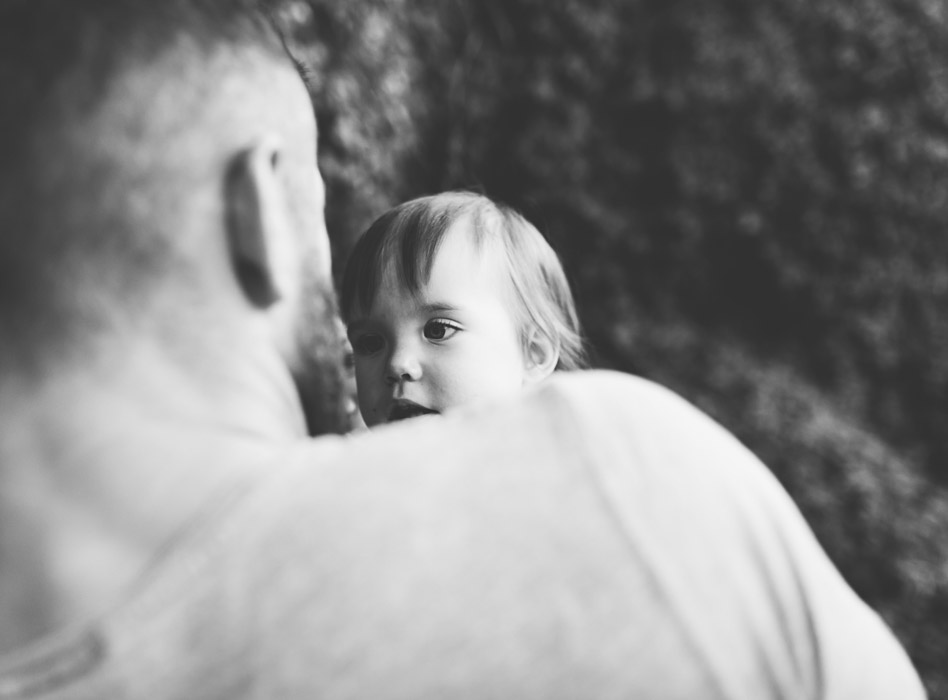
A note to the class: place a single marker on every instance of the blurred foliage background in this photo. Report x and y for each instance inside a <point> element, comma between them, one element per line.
<point>749,198</point>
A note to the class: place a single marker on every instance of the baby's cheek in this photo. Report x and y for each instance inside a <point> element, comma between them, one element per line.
<point>366,395</point>
<point>462,383</point>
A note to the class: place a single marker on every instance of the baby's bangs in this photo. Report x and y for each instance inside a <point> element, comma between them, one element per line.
<point>416,236</point>
<point>408,235</point>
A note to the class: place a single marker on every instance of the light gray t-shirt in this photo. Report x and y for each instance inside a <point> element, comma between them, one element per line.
<point>598,538</point>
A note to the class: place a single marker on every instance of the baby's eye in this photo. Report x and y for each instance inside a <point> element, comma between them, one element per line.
<point>440,329</point>
<point>367,344</point>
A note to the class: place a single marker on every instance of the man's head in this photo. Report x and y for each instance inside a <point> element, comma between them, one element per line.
<point>159,180</point>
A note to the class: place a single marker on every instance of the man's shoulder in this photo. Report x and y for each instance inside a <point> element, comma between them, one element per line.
<point>570,421</point>
<point>593,400</point>
<point>570,418</point>
<point>575,427</point>
<point>576,411</point>
<point>601,506</point>
<point>625,394</point>
<point>602,406</point>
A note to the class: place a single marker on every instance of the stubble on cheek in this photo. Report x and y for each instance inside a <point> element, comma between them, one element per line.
<point>320,373</point>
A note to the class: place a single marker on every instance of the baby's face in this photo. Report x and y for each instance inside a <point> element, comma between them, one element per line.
<point>454,343</point>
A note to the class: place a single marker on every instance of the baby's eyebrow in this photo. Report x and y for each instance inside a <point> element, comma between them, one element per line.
<point>435,307</point>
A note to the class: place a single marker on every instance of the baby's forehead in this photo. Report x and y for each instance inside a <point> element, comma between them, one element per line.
<point>460,249</point>
<point>402,255</point>
<point>464,247</point>
<point>445,277</point>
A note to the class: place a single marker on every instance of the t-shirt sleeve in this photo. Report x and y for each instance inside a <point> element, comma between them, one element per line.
<point>598,538</point>
<point>739,569</point>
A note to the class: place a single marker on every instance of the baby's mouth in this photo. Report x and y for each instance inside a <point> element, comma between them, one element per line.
<point>403,408</point>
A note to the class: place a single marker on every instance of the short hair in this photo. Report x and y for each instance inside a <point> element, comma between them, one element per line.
<point>408,237</point>
<point>74,195</point>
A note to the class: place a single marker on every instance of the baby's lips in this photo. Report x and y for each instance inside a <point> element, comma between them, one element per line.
<point>403,410</point>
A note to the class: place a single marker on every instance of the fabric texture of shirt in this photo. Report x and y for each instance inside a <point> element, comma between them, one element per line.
<point>598,538</point>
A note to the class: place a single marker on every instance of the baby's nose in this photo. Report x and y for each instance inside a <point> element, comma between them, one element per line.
<point>403,366</point>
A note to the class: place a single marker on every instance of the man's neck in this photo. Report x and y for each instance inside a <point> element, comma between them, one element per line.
<point>98,472</point>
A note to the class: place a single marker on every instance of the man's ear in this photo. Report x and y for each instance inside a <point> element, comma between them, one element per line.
<point>258,227</point>
<point>540,357</point>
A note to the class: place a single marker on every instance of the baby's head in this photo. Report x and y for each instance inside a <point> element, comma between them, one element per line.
<point>453,299</point>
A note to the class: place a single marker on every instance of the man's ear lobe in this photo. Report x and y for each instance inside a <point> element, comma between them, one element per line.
<point>257,222</point>
<point>540,356</point>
